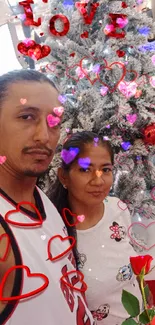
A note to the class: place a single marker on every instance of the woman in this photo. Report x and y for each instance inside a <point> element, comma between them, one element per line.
<point>103,248</point>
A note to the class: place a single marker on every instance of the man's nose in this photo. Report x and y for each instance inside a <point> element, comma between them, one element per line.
<point>42,132</point>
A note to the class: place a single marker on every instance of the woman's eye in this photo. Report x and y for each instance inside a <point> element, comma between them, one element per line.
<point>27,117</point>
<point>107,170</point>
<point>84,170</point>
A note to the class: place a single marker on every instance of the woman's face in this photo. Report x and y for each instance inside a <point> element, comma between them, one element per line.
<point>90,185</point>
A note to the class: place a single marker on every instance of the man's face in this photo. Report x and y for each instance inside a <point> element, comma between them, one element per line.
<point>26,139</point>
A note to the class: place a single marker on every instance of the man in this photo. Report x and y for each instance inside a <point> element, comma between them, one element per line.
<point>31,291</point>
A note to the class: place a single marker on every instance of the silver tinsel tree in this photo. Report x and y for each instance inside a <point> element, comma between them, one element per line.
<point>107,83</point>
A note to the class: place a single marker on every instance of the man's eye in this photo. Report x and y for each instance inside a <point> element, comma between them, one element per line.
<point>27,117</point>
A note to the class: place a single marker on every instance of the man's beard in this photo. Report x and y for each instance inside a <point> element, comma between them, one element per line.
<point>32,173</point>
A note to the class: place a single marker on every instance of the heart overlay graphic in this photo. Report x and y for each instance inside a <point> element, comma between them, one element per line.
<point>5,238</point>
<point>66,210</point>
<point>150,225</point>
<point>24,224</point>
<point>30,275</point>
<point>33,50</point>
<point>110,67</point>
<point>64,252</point>
<point>78,278</point>
<point>69,155</point>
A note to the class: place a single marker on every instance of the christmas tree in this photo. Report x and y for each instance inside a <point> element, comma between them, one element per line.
<point>103,62</point>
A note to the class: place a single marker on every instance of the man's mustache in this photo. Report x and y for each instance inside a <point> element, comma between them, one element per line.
<point>44,149</point>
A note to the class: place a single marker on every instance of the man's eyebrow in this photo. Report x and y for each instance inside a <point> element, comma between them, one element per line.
<point>26,108</point>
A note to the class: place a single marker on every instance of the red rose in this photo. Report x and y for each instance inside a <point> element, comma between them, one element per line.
<point>139,262</point>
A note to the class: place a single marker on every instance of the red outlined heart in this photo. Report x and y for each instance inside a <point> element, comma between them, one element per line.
<point>86,73</point>
<point>135,76</point>
<point>5,237</point>
<point>145,227</point>
<point>29,274</point>
<point>22,224</point>
<point>64,252</point>
<point>153,193</point>
<point>65,217</point>
<point>76,272</point>
<point>68,72</point>
<point>109,67</point>
<point>121,203</point>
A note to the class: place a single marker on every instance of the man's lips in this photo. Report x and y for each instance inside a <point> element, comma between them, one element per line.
<point>39,152</point>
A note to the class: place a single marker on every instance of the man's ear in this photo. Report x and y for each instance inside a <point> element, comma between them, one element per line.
<point>62,176</point>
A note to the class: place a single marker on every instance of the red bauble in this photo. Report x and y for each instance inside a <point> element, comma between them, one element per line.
<point>120,53</point>
<point>149,134</point>
<point>124,5</point>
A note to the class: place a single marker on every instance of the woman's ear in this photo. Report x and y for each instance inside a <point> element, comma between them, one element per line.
<point>62,176</point>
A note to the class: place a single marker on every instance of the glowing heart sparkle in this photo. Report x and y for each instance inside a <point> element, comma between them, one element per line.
<point>58,110</point>
<point>52,120</point>
<point>99,173</point>
<point>23,101</point>
<point>81,218</point>
<point>2,159</point>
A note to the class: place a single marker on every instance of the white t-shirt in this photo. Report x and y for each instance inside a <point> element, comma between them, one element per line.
<point>57,304</point>
<point>104,252</point>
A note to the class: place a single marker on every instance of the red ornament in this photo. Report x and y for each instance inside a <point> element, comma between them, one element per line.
<point>124,5</point>
<point>120,53</point>
<point>33,50</point>
<point>149,134</point>
<point>52,25</point>
<point>72,54</point>
<point>82,7</point>
<point>29,13</point>
<point>84,34</point>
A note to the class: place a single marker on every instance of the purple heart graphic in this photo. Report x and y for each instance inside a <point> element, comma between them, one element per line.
<point>84,162</point>
<point>69,155</point>
<point>96,139</point>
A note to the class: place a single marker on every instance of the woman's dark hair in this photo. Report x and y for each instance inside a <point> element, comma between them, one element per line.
<point>57,193</point>
<point>15,76</point>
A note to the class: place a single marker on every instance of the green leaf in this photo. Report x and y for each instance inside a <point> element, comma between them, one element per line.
<point>151,313</point>
<point>129,321</point>
<point>130,303</point>
<point>143,318</point>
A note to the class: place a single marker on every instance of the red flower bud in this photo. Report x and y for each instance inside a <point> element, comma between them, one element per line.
<point>140,262</point>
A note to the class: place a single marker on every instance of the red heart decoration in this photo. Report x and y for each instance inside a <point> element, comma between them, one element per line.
<point>22,224</point>
<point>33,50</point>
<point>122,205</point>
<point>109,67</point>
<point>6,236</point>
<point>65,218</point>
<point>69,75</point>
<point>86,73</point>
<point>61,254</point>
<point>84,34</point>
<point>23,47</point>
<point>35,53</point>
<point>84,285</point>
<point>30,275</point>
<point>134,72</point>
<point>130,234</point>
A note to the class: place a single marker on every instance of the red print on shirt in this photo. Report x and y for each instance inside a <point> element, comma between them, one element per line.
<point>81,314</point>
